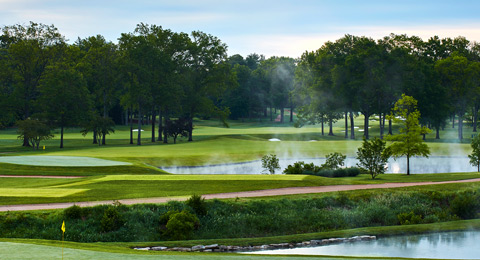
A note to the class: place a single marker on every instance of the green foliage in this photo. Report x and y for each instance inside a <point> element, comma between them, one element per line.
<point>409,218</point>
<point>180,226</point>
<point>311,169</point>
<point>166,217</point>
<point>73,212</point>
<point>465,205</point>
<point>198,204</point>
<point>270,163</point>
<point>409,141</point>
<point>373,156</point>
<point>34,131</point>
<point>475,155</point>
<point>334,161</point>
<point>111,220</point>
<point>100,126</point>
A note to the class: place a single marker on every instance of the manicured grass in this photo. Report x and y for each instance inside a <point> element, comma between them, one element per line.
<point>62,161</point>
<point>114,187</point>
<point>40,193</point>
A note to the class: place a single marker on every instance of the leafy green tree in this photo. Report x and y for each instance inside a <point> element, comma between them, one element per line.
<point>475,156</point>
<point>408,142</point>
<point>100,127</point>
<point>270,163</point>
<point>100,69</point>
<point>34,131</point>
<point>177,127</point>
<point>334,161</point>
<point>28,50</point>
<point>454,75</point>
<point>65,100</point>
<point>373,156</point>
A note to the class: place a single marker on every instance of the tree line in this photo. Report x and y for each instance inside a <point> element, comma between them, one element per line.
<point>154,73</point>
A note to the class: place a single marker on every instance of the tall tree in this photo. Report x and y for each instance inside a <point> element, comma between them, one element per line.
<point>64,100</point>
<point>30,49</point>
<point>408,142</point>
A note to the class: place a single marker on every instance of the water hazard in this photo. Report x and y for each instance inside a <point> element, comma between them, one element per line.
<point>449,245</point>
<point>433,164</point>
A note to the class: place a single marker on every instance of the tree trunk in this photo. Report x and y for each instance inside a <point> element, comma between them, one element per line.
<point>282,114</point>
<point>265,112</point>
<point>382,126</point>
<point>475,117</point>
<point>437,135</point>
<point>126,117</point>
<point>154,116</point>
<point>131,126</point>
<point>95,141</point>
<point>291,114</point>
<point>408,164</point>
<point>365,126</point>
<point>460,126</point>
<point>346,124</point>
<point>453,121</point>
<point>61,136</point>
<point>322,128</point>
<point>390,127</point>
<point>165,129</point>
<point>160,125</point>
<point>271,114</point>
<point>352,126</point>
<point>139,135</point>
<point>330,126</point>
<point>190,129</point>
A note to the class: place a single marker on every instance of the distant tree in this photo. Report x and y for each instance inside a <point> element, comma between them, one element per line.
<point>334,161</point>
<point>65,100</point>
<point>176,127</point>
<point>409,141</point>
<point>475,156</point>
<point>373,156</point>
<point>270,163</point>
<point>34,131</point>
<point>100,126</point>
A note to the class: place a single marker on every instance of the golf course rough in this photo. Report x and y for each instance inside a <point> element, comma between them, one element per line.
<point>63,161</point>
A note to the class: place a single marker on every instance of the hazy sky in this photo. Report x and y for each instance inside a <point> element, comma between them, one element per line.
<point>269,27</point>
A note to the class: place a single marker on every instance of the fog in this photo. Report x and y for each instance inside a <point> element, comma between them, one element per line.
<point>433,164</point>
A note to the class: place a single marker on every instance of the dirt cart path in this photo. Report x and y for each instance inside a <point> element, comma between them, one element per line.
<point>245,194</point>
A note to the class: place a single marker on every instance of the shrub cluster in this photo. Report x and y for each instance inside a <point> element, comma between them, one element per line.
<point>311,169</point>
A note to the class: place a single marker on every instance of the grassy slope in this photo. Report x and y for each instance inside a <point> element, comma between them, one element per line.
<point>46,249</point>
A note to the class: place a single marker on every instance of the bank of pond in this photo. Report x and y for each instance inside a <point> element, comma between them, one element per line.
<point>225,219</point>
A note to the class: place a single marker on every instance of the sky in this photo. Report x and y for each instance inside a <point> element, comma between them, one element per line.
<point>268,27</point>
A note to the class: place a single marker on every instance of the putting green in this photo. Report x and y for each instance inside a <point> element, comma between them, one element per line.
<point>42,192</point>
<point>63,161</point>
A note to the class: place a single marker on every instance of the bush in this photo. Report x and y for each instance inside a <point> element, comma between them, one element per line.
<point>181,225</point>
<point>111,220</point>
<point>73,212</point>
<point>311,169</point>
<point>409,218</point>
<point>197,203</point>
<point>334,161</point>
<point>464,205</point>
<point>166,217</point>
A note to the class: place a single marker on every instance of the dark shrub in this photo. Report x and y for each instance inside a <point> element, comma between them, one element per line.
<point>464,205</point>
<point>166,217</point>
<point>111,220</point>
<point>73,212</point>
<point>181,225</point>
<point>409,218</point>
<point>197,203</point>
<point>296,168</point>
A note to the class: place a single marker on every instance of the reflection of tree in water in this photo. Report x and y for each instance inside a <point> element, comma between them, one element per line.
<point>433,240</point>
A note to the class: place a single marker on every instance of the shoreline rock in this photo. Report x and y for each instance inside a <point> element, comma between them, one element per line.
<point>224,248</point>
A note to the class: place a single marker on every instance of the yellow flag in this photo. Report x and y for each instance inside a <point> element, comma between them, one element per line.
<point>63,226</point>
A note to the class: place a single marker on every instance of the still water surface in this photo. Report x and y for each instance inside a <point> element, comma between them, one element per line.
<point>434,164</point>
<point>449,245</point>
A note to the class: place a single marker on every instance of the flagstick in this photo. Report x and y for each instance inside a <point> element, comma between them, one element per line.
<point>62,244</point>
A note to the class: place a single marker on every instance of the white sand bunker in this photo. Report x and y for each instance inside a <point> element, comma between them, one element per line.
<point>274,140</point>
<point>72,161</point>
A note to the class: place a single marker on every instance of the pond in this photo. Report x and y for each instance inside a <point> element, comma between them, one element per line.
<point>448,245</point>
<point>433,164</point>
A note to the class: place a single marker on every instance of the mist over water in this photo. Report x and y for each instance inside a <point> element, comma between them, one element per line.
<point>433,164</point>
<point>448,245</point>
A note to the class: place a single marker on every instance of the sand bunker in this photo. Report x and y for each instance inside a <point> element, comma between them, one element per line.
<point>64,161</point>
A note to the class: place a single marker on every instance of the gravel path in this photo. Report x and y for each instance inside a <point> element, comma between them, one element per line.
<point>245,194</point>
